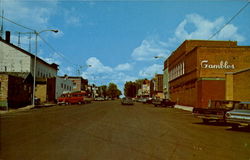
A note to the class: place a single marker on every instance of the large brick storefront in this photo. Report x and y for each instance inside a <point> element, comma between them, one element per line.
<point>197,70</point>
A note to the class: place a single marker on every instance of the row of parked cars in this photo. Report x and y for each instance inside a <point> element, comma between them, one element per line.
<point>156,102</point>
<point>235,113</point>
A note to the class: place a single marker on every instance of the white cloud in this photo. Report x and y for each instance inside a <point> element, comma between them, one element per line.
<point>148,49</point>
<point>204,29</point>
<point>72,18</point>
<point>123,67</point>
<point>100,74</point>
<point>151,70</point>
<point>97,66</point>
<point>35,16</point>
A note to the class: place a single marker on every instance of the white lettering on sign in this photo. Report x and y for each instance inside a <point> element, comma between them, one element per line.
<point>222,65</point>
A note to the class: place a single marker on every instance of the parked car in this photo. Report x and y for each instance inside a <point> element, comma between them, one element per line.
<point>99,99</point>
<point>240,115</point>
<point>163,103</point>
<point>71,98</point>
<point>216,110</point>
<point>127,101</point>
<point>149,100</point>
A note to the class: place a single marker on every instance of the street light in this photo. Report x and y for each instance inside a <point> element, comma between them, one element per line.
<point>34,71</point>
<point>81,68</point>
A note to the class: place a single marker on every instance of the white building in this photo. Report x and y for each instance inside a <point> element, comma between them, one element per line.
<point>63,85</point>
<point>15,59</point>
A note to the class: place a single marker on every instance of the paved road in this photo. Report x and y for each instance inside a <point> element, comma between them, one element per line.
<point>109,131</point>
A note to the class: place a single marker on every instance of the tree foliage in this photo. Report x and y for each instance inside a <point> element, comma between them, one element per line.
<point>113,91</point>
<point>130,89</point>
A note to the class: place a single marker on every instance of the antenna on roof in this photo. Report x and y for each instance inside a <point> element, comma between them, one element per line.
<point>1,30</point>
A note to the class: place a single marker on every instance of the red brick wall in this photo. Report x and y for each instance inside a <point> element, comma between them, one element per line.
<point>19,93</point>
<point>210,90</point>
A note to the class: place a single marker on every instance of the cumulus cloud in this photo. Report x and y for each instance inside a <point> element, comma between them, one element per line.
<point>204,29</point>
<point>36,16</point>
<point>148,49</point>
<point>97,66</point>
<point>193,26</point>
<point>71,17</point>
<point>123,67</point>
<point>151,70</point>
<point>99,73</point>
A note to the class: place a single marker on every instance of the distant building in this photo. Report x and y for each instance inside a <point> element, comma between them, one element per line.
<point>79,84</point>
<point>158,87</point>
<point>197,70</point>
<point>145,89</point>
<point>63,85</point>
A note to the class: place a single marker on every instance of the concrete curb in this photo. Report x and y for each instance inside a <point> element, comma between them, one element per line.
<point>186,108</point>
<point>26,108</point>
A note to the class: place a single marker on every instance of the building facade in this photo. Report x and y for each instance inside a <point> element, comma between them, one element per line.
<point>79,84</point>
<point>15,90</point>
<point>238,86</point>
<point>166,80</point>
<point>197,70</point>
<point>63,85</point>
<point>156,86</point>
<point>15,59</point>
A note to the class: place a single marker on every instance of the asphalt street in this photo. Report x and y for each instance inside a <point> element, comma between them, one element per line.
<point>109,131</point>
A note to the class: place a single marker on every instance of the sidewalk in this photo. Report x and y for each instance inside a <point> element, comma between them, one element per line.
<point>186,108</point>
<point>26,108</point>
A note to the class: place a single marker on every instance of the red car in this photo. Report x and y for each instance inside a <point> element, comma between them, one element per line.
<point>71,98</point>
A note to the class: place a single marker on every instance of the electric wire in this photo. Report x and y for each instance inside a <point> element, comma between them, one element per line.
<point>229,20</point>
<point>50,46</point>
<point>17,24</point>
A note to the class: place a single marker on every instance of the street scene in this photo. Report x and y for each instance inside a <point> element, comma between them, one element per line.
<point>124,79</point>
<point>109,130</point>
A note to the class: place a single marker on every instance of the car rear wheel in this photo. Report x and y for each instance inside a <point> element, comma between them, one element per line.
<point>205,121</point>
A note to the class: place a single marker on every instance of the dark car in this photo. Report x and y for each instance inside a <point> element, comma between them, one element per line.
<point>127,101</point>
<point>163,103</point>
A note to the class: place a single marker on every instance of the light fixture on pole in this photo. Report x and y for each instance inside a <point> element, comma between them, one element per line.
<point>34,71</point>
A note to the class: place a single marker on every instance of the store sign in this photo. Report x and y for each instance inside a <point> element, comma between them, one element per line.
<point>221,65</point>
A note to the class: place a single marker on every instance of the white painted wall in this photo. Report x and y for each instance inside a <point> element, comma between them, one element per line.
<point>63,85</point>
<point>13,60</point>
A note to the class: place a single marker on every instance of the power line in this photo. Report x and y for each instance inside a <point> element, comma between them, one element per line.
<point>230,20</point>
<point>55,51</point>
<point>17,23</point>
<point>34,31</point>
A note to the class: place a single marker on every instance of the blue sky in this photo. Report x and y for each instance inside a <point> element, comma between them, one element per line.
<point>119,39</point>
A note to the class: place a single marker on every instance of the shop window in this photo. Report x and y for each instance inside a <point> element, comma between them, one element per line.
<point>74,85</point>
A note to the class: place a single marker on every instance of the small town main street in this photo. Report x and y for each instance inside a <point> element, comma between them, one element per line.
<point>109,131</point>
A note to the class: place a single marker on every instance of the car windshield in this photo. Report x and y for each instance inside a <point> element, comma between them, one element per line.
<point>244,106</point>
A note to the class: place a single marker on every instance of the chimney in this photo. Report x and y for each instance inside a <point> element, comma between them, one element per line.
<point>7,36</point>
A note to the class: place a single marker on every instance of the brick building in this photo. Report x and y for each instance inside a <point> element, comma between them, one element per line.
<point>79,84</point>
<point>15,90</point>
<point>238,86</point>
<point>156,86</point>
<point>197,70</point>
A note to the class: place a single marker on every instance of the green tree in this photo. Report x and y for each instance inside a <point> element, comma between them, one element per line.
<point>130,89</point>
<point>113,91</point>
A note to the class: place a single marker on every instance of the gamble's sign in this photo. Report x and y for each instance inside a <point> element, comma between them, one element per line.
<point>221,65</point>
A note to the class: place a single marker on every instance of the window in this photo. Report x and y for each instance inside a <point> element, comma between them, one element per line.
<point>74,85</point>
